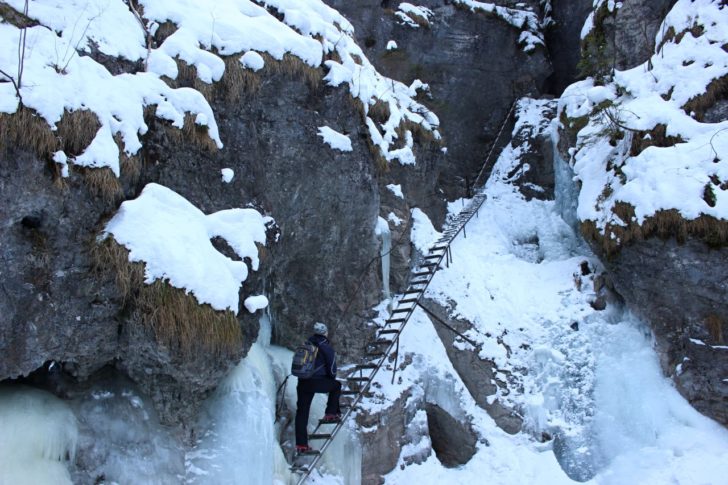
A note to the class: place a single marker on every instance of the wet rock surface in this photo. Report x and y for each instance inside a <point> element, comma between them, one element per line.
<point>680,290</point>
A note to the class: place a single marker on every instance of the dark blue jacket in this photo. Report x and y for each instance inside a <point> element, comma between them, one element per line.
<point>325,358</point>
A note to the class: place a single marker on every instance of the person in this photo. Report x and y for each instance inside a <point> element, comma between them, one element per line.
<point>322,381</point>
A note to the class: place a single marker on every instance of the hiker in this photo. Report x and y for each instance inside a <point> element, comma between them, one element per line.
<point>323,380</point>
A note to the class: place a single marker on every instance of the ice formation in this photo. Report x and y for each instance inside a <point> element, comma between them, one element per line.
<point>39,434</point>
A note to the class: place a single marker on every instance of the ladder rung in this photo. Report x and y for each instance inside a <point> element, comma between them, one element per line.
<point>357,379</point>
<point>401,310</point>
<point>374,354</point>
<point>422,273</point>
<point>409,300</point>
<point>365,366</point>
<point>428,265</point>
<point>433,256</point>
<point>438,248</point>
<point>319,436</point>
<point>411,292</point>
<point>420,282</point>
<point>380,342</point>
<point>385,332</point>
<point>321,421</point>
<point>396,320</point>
<point>349,392</point>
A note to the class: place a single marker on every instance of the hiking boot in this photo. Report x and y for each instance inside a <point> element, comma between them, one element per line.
<point>303,449</point>
<point>331,418</point>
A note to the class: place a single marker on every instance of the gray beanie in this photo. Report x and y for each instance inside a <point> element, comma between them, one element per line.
<point>320,328</point>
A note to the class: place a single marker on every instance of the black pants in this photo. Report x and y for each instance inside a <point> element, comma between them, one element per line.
<point>306,390</point>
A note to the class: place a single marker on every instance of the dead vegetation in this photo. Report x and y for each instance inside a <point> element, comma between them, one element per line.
<point>177,320</point>
<point>664,224</point>
<point>76,131</point>
<point>418,19</point>
<point>656,137</point>
<point>238,81</point>
<point>293,68</point>
<point>191,132</point>
<point>714,325</point>
<point>102,183</point>
<point>696,30</point>
<point>164,31</point>
<point>27,130</point>
<point>715,91</point>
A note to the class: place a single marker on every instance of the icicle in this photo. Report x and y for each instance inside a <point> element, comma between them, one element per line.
<point>565,190</point>
<point>382,230</point>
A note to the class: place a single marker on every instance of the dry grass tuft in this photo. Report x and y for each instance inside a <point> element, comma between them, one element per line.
<point>656,137</point>
<point>76,130</point>
<point>191,132</point>
<point>103,183</point>
<point>108,255</point>
<point>420,133</point>
<point>187,78</point>
<point>664,224</point>
<point>379,112</point>
<point>672,36</point>
<point>714,324</point>
<point>26,130</point>
<point>294,68</point>
<point>238,80</point>
<point>176,318</point>
<point>163,31</point>
<point>179,321</point>
<point>716,91</point>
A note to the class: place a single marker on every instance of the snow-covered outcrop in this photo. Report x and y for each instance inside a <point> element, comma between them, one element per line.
<point>650,151</point>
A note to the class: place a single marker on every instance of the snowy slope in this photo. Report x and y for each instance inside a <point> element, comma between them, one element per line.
<point>595,386</point>
<point>645,141</point>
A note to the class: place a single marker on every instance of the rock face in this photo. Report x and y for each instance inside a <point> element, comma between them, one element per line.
<point>622,38</point>
<point>325,202</point>
<point>472,62</point>
<point>632,31</point>
<point>382,446</point>
<point>477,374</point>
<point>680,290</point>
<point>452,441</point>
<point>52,305</point>
<point>534,176</point>
<point>563,39</point>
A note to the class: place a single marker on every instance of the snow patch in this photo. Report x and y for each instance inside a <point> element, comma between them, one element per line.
<point>334,139</point>
<point>227,175</point>
<point>172,237</point>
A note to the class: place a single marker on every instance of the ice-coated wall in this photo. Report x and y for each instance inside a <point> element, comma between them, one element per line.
<point>38,435</point>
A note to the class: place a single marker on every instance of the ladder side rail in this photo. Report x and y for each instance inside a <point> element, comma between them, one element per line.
<point>473,209</point>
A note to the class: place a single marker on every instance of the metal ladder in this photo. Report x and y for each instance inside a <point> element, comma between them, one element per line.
<point>388,335</point>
